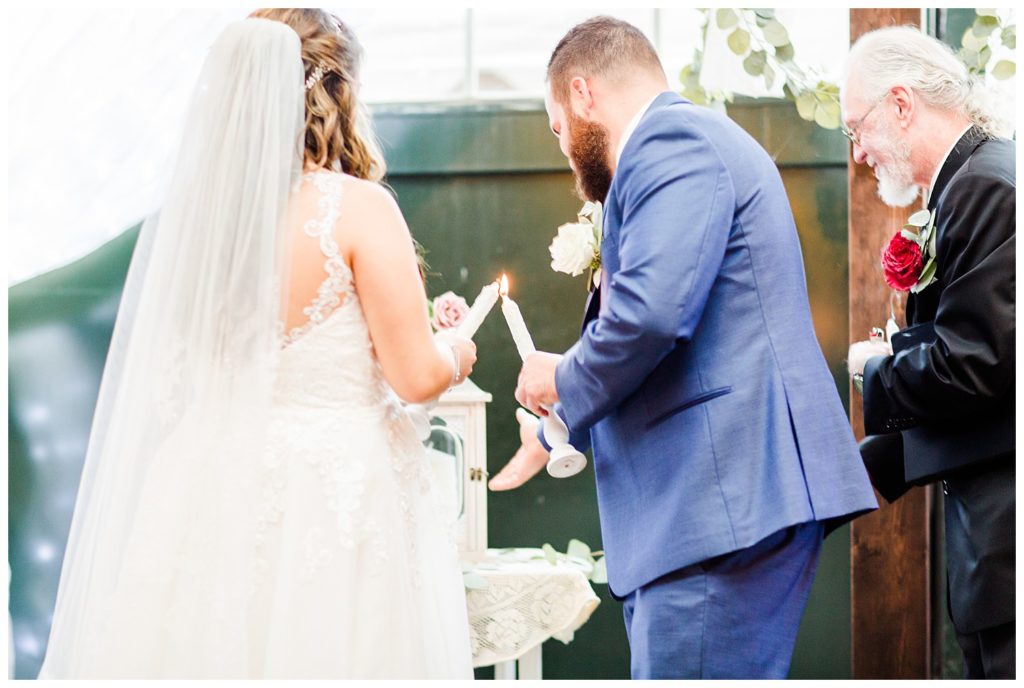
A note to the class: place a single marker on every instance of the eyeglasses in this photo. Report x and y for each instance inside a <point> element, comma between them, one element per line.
<point>851,132</point>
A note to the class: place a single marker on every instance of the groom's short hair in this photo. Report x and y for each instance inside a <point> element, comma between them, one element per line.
<point>600,46</point>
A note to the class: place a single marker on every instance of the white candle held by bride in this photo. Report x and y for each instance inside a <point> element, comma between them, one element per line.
<point>516,324</point>
<point>483,304</point>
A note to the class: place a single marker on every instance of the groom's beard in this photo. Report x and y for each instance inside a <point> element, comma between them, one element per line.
<point>588,152</point>
<point>896,185</point>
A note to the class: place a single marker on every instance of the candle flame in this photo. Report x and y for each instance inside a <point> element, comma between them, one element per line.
<point>503,288</point>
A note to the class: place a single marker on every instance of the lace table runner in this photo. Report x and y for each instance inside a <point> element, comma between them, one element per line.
<point>526,600</point>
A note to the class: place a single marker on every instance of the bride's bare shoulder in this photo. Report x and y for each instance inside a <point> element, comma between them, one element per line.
<point>368,204</point>
<point>367,196</point>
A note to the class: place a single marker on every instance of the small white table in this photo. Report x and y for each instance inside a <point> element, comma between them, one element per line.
<point>525,601</point>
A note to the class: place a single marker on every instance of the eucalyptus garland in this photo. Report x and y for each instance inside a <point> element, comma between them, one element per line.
<point>761,41</point>
<point>979,38</point>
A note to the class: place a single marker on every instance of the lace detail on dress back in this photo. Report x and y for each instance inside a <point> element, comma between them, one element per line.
<point>337,286</point>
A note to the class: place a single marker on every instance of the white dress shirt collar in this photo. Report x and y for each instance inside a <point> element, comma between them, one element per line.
<point>631,127</point>
<point>935,177</point>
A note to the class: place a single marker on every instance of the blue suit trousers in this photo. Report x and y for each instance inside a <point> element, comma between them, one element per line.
<point>733,616</point>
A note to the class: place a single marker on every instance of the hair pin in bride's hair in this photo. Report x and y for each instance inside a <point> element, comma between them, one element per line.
<point>315,76</point>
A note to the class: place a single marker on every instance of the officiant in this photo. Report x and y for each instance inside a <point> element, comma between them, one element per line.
<point>939,398</point>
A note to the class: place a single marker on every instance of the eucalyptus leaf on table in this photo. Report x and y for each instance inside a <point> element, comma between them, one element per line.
<point>473,581</point>
<point>579,549</point>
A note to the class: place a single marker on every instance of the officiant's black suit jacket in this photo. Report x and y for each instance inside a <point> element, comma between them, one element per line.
<point>948,392</point>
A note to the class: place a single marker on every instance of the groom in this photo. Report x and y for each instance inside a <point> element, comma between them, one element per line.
<point>721,449</point>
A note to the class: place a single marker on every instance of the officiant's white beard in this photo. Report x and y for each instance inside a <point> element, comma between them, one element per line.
<point>896,186</point>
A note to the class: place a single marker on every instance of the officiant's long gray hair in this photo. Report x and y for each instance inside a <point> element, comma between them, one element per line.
<point>904,55</point>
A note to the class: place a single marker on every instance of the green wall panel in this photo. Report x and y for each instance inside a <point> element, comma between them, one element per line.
<point>59,327</point>
<point>478,220</point>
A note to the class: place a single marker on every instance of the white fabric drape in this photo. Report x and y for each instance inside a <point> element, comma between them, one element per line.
<point>96,101</point>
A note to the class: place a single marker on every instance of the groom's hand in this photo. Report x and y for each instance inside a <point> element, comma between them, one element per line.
<point>526,462</point>
<point>536,387</point>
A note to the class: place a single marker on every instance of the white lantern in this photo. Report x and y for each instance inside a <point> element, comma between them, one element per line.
<point>459,425</point>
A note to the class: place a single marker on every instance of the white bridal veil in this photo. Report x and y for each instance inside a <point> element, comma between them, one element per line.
<point>188,382</point>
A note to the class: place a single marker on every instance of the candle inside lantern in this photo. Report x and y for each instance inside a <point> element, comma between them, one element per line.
<point>483,304</point>
<point>516,324</point>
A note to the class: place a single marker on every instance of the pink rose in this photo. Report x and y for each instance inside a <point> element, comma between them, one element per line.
<point>902,263</point>
<point>449,310</point>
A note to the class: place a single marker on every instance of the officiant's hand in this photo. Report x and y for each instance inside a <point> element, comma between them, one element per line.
<point>860,352</point>
<point>536,387</point>
<point>528,461</point>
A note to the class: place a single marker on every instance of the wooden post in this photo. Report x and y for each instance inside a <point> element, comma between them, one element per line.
<point>889,559</point>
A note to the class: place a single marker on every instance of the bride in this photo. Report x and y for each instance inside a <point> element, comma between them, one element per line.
<point>255,502</point>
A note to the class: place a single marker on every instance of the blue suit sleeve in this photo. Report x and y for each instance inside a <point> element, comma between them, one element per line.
<point>580,440</point>
<point>677,202</point>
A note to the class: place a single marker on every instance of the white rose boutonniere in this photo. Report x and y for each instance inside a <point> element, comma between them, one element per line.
<point>573,249</point>
<point>577,247</point>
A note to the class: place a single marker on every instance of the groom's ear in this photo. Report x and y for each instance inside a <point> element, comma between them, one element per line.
<point>581,98</point>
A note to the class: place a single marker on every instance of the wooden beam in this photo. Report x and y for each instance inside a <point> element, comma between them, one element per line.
<point>889,559</point>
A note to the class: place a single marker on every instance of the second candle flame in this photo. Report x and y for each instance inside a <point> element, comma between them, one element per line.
<point>503,285</point>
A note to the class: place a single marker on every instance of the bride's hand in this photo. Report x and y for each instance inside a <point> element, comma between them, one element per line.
<point>465,349</point>
<point>528,461</point>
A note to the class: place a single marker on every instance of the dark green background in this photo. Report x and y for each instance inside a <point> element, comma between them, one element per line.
<point>483,188</point>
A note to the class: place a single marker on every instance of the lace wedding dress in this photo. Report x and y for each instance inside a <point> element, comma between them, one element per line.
<point>347,567</point>
<point>252,504</point>
<point>355,565</point>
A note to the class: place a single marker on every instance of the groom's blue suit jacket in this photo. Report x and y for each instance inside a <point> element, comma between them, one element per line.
<point>714,418</point>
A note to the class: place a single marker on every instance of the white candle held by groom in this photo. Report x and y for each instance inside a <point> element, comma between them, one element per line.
<point>565,460</point>
<point>516,324</point>
<point>483,304</point>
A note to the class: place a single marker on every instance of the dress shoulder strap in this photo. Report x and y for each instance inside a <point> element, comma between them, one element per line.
<point>337,287</point>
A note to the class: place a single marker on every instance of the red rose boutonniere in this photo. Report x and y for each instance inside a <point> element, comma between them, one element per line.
<point>909,259</point>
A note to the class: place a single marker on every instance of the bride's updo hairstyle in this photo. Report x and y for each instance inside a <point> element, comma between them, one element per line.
<point>339,134</point>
